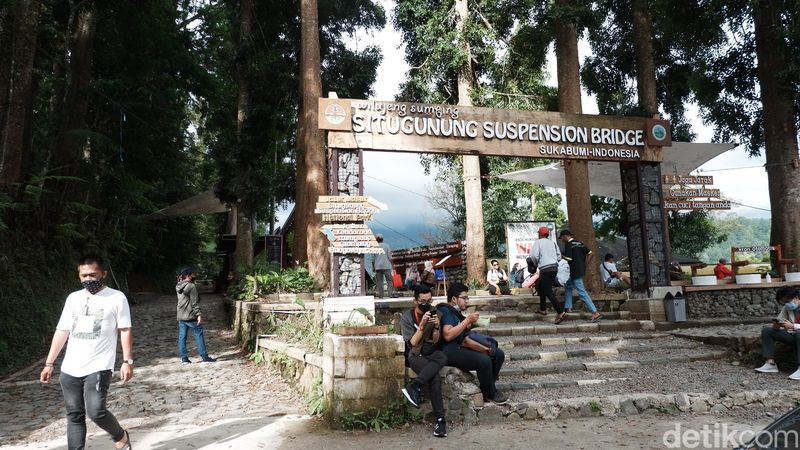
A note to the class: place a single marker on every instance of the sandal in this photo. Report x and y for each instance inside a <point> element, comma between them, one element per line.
<point>598,318</point>
<point>127,445</point>
<point>561,317</point>
<point>541,312</point>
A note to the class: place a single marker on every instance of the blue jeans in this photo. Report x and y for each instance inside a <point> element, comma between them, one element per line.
<point>87,396</point>
<point>577,284</point>
<point>198,338</point>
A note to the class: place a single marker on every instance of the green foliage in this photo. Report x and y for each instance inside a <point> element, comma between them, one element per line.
<point>739,231</point>
<point>315,399</point>
<point>284,363</point>
<point>36,280</point>
<point>303,327</point>
<point>377,420</point>
<point>258,357</point>
<point>595,406</point>
<point>693,232</point>
<point>474,285</point>
<point>262,281</point>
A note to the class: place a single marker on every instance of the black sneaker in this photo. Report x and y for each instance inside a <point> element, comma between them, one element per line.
<point>186,361</point>
<point>499,398</point>
<point>413,394</point>
<point>209,359</point>
<point>440,429</point>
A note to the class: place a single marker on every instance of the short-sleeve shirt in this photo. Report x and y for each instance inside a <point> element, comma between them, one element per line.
<point>575,252</point>
<point>450,318</point>
<point>92,322</point>
<point>606,271</point>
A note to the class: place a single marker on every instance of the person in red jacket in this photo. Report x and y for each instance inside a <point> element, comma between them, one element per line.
<point>721,270</point>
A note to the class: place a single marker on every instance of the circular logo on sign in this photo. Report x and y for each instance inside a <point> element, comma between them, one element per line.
<point>659,132</point>
<point>335,114</point>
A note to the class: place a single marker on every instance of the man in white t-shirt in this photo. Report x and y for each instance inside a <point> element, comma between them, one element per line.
<point>89,323</point>
<point>609,273</point>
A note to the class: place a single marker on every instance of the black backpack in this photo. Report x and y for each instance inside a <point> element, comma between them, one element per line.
<point>519,276</point>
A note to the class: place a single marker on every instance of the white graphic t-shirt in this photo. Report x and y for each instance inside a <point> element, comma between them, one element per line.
<point>92,322</point>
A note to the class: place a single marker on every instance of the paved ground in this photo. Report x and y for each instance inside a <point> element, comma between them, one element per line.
<point>234,405</point>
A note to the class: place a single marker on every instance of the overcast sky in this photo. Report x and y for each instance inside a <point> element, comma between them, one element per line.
<point>398,180</point>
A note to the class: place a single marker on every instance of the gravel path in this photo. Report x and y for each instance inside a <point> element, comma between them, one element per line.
<point>163,393</point>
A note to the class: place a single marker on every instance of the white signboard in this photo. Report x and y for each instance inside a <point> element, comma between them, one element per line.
<point>520,237</point>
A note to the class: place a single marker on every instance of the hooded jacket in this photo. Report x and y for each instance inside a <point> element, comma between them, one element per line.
<point>188,300</point>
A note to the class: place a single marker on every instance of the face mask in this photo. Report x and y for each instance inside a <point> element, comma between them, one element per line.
<point>424,307</point>
<point>792,306</point>
<point>93,286</point>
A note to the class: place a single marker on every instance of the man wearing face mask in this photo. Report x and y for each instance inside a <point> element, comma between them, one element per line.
<point>784,329</point>
<point>189,316</point>
<point>88,325</point>
<point>420,328</point>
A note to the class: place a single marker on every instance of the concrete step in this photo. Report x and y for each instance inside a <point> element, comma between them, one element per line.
<point>599,352</point>
<point>514,317</point>
<point>576,325</point>
<point>509,342</point>
<point>562,363</point>
<point>568,326</point>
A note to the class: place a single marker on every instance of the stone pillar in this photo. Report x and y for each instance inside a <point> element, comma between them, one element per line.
<point>346,177</point>
<point>647,251</point>
<point>361,373</point>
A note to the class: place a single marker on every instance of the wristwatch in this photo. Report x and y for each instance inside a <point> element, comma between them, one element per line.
<point>127,361</point>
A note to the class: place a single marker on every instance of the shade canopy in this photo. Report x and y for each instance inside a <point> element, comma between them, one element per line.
<point>604,178</point>
<point>202,203</point>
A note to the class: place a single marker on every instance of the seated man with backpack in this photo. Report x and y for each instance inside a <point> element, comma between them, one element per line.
<point>610,275</point>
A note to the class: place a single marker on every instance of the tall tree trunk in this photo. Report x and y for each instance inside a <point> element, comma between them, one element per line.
<point>6,33</point>
<point>243,255</point>
<point>780,132</point>
<point>576,172</point>
<point>76,101</point>
<point>13,148</point>
<point>473,196</point>
<point>643,53</point>
<point>312,170</point>
<point>652,227</point>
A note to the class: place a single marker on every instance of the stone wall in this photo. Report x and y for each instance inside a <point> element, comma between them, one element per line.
<point>744,303</point>
<point>361,373</point>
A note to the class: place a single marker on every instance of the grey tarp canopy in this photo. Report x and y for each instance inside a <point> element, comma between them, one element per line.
<point>202,203</point>
<point>680,159</point>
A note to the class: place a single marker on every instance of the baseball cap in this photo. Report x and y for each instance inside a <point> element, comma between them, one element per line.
<point>544,231</point>
<point>187,271</point>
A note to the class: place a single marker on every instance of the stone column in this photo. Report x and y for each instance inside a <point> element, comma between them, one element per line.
<point>346,175</point>
<point>647,252</point>
<point>361,373</point>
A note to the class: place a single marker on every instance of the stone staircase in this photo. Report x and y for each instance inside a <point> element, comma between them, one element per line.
<point>618,366</point>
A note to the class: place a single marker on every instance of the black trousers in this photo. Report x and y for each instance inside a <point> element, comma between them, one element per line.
<point>503,289</point>
<point>427,370</point>
<point>768,337</point>
<point>488,369</point>
<point>545,289</point>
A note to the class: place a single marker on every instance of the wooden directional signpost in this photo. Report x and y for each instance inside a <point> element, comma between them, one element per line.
<point>692,198</point>
<point>350,239</point>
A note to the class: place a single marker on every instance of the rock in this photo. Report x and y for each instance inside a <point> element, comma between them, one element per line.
<point>490,415</point>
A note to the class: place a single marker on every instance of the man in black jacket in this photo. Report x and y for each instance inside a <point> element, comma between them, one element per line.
<point>421,332</point>
<point>576,253</point>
